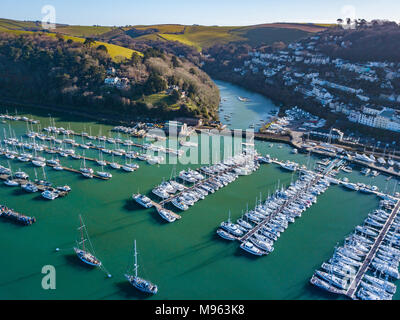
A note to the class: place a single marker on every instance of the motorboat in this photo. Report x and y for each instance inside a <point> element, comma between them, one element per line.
<point>21,175</point>
<point>225,235</point>
<point>251,248</point>
<point>11,183</point>
<point>64,188</point>
<point>50,195</point>
<point>143,200</point>
<point>180,204</point>
<point>30,187</point>
<point>166,215</point>
<point>161,193</point>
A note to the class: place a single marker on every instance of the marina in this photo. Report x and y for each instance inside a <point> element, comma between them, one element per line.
<point>177,253</point>
<point>164,152</point>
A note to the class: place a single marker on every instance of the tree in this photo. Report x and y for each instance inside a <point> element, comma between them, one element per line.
<point>175,96</point>
<point>175,62</point>
<point>102,47</point>
<point>136,59</point>
<point>155,84</point>
<point>89,41</point>
<point>153,53</point>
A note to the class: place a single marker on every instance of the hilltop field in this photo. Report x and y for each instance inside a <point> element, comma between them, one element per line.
<point>198,37</point>
<point>203,37</point>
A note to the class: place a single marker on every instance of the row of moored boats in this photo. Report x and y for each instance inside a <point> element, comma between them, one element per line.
<point>373,244</point>
<point>258,229</point>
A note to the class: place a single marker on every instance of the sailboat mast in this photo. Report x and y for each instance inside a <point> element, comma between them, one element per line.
<point>82,236</point>
<point>136,265</point>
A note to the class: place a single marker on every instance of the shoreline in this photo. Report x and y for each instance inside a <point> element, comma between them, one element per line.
<point>105,118</point>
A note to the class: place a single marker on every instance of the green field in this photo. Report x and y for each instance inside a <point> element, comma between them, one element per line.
<point>163,28</point>
<point>116,52</point>
<point>83,31</point>
<point>18,25</point>
<point>156,99</point>
<point>199,37</point>
<point>202,37</point>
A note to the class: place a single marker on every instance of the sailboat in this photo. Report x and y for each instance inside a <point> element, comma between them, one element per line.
<point>114,164</point>
<point>139,283</point>
<point>86,172</point>
<point>101,162</point>
<point>10,182</point>
<point>81,250</point>
<point>129,167</point>
<point>103,174</point>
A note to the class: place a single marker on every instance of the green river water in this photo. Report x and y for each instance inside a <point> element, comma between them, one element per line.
<point>186,259</point>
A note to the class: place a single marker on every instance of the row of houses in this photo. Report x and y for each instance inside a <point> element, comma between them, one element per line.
<point>381,118</point>
<point>319,77</point>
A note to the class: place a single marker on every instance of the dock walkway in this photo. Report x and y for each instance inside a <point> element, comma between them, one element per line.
<point>133,144</point>
<point>41,188</point>
<point>66,168</point>
<point>277,211</point>
<point>290,201</point>
<point>209,177</point>
<point>371,255</point>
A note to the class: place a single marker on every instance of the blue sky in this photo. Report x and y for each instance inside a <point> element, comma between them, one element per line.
<point>205,12</point>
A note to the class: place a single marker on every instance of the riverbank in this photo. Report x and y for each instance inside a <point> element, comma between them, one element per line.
<point>287,99</point>
<point>103,118</point>
<point>115,119</point>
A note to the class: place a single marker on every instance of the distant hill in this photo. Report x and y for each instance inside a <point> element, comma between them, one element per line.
<point>202,37</point>
<point>198,37</point>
